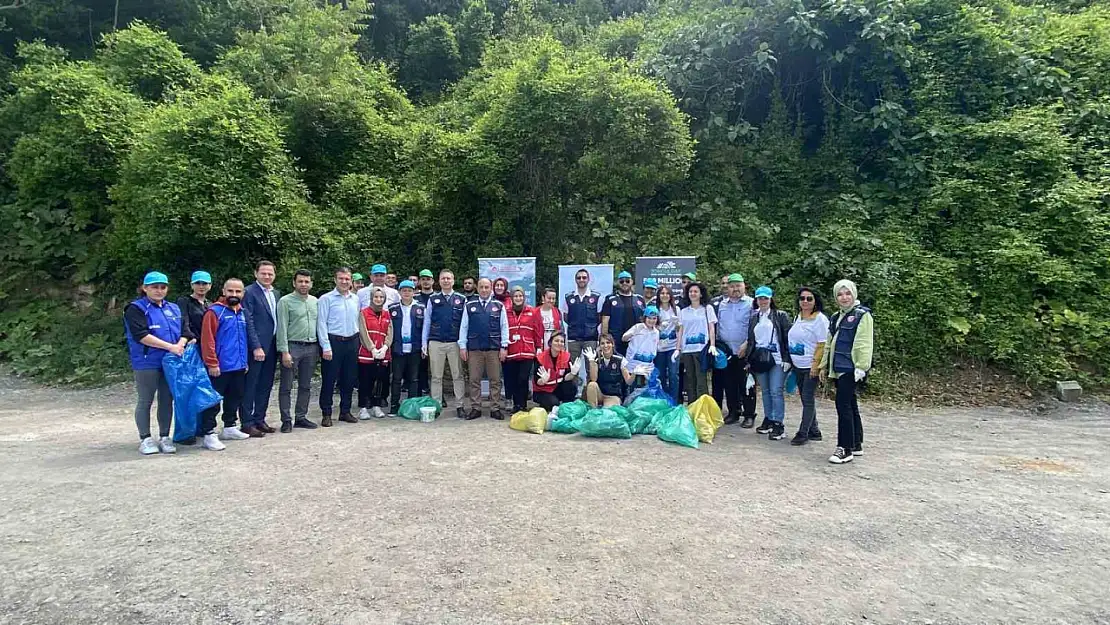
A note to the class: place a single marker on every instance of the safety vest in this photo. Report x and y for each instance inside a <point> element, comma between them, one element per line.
<point>164,322</point>
<point>446,317</point>
<point>558,369</point>
<point>616,316</point>
<point>416,327</point>
<point>522,333</point>
<point>231,336</point>
<point>377,326</point>
<point>845,335</point>
<point>484,325</point>
<point>609,376</point>
<point>582,316</point>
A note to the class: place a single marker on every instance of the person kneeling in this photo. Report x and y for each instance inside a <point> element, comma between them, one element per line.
<point>556,378</point>
<point>608,375</point>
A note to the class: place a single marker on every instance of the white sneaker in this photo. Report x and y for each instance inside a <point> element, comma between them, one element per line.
<point>166,446</point>
<point>148,447</point>
<point>841,456</point>
<point>364,415</point>
<point>233,433</point>
<point>378,412</point>
<point>211,441</point>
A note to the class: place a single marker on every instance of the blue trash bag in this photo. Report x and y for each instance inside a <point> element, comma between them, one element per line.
<point>192,391</point>
<point>791,382</point>
<point>654,390</point>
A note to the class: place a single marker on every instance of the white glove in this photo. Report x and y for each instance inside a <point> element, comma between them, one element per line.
<point>576,367</point>
<point>750,383</point>
<point>674,356</point>
<point>544,376</point>
<point>712,350</point>
<point>589,354</point>
<point>859,374</point>
<point>786,367</point>
<point>645,369</point>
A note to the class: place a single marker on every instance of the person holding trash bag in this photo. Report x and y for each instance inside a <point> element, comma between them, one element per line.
<point>847,358</point>
<point>299,348</point>
<point>196,303</point>
<point>154,327</point>
<point>525,341</point>
<point>668,341</point>
<point>734,313</point>
<point>408,357</point>
<point>696,337</point>
<point>375,331</point>
<point>556,379</point>
<point>807,339</point>
<point>621,311</point>
<point>608,375</point>
<point>769,359</point>
<point>483,341</point>
<point>643,346</point>
<point>227,337</point>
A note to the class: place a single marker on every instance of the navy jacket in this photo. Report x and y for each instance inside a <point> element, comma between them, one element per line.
<point>254,300</point>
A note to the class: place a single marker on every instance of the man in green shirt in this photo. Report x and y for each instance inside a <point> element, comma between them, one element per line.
<point>296,342</point>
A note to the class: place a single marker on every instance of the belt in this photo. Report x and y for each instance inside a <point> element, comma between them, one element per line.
<point>303,342</point>
<point>342,339</point>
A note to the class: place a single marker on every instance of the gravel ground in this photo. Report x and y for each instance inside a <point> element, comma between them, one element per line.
<point>953,516</point>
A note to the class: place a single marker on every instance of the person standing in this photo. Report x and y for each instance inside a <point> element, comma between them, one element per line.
<point>847,359</point>
<point>299,348</point>
<point>550,318</point>
<point>651,289</point>
<point>408,358</point>
<point>470,285</point>
<point>725,281</point>
<point>621,311</point>
<point>375,330</point>
<point>427,282</point>
<point>582,312</point>
<point>377,280</point>
<point>668,341</point>
<point>608,375</point>
<point>483,344</point>
<point>337,332</point>
<point>769,329</point>
<point>501,292</point>
<point>556,380</point>
<point>807,339</point>
<point>440,342</point>
<point>261,300</point>
<point>686,279</point>
<point>734,311</point>
<point>358,281</point>
<point>391,280</point>
<point>196,303</point>
<point>154,327</point>
<point>697,332</point>
<point>227,337</point>
<point>526,332</point>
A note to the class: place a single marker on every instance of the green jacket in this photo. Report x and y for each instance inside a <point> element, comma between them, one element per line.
<point>863,348</point>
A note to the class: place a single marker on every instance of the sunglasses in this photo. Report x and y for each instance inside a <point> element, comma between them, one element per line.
<point>626,282</point>
<point>805,298</point>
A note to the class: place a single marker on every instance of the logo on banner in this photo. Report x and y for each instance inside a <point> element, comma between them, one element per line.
<point>667,264</point>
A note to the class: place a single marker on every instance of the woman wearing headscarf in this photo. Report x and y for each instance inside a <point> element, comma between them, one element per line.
<point>525,341</point>
<point>769,359</point>
<point>375,331</point>
<point>808,334</point>
<point>501,292</point>
<point>847,359</point>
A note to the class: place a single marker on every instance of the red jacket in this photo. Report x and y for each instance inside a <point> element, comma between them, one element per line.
<point>378,326</point>
<point>525,333</point>
<point>558,370</point>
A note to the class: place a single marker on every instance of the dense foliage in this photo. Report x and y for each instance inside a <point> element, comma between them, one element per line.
<point>950,156</point>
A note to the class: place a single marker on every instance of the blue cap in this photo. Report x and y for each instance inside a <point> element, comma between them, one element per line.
<point>200,276</point>
<point>379,268</point>
<point>623,274</point>
<point>155,277</point>
<point>406,284</point>
<point>651,311</point>
<point>650,283</point>
<point>764,291</point>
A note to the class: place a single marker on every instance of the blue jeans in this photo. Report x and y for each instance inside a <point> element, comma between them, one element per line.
<point>668,372</point>
<point>771,383</point>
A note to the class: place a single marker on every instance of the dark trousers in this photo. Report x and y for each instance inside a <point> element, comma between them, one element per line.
<point>849,426</point>
<point>564,392</point>
<point>424,384</point>
<point>259,385</point>
<point>733,380</point>
<point>230,384</point>
<point>619,346</point>
<point>410,369</point>
<point>807,390</point>
<point>342,369</point>
<point>517,374</point>
<point>373,384</point>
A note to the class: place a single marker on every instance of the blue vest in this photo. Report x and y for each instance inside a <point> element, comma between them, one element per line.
<point>616,314</point>
<point>845,337</point>
<point>231,337</point>
<point>416,327</point>
<point>610,379</point>
<point>446,317</point>
<point>483,329</point>
<point>164,322</point>
<point>582,317</point>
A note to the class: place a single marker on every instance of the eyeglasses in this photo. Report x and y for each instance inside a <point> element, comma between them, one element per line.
<point>805,298</point>
<point>581,278</point>
<point>626,282</point>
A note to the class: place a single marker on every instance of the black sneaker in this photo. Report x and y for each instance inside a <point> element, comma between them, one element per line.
<point>799,440</point>
<point>857,450</point>
<point>462,413</point>
<point>841,456</point>
<point>286,427</point>
<point>765,427</point>
<point>496,414</point>
<point>777,432</point>
<point>192,440</point>
<point>731,419</point>
<point>473,414</point>
<point>304,424</point>
<point>749,423</point>
<point>815,436</point>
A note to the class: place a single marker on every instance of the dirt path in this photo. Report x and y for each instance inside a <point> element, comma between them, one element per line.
<point>953,516</point>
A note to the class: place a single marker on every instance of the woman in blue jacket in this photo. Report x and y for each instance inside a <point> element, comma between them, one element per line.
<point>154,328</point>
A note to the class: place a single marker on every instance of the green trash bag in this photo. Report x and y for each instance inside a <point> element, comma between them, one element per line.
<point>644,411</point>
<point>410,408</point>
<point>569,417</point>
<point>603,423</point>
<point>676,426</point>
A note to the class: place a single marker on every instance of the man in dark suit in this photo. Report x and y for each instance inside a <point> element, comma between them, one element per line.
<point>260,299</point>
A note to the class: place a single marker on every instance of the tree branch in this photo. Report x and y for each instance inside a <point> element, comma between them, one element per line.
<point>16,4</point>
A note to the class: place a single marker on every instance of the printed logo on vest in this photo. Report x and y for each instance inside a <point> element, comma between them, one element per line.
<point>473,309</point>
<point>396,313</point>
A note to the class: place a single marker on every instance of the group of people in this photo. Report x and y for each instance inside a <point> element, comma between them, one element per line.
<point>387,336</point>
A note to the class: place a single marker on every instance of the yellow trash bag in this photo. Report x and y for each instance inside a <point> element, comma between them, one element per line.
<point>535,420</point>
<point>707,417</point>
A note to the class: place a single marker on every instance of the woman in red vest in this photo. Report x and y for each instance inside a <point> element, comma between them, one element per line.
<point>375,331</point>
<point>556,378</point>
<point>525,341</point>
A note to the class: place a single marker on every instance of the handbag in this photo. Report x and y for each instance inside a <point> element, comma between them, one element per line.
<point>762,359</point>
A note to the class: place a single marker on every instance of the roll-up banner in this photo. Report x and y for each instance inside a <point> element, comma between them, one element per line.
<point>518,271</point>
<point>667,270</point>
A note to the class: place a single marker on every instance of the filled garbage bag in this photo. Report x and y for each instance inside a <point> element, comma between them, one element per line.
<point>676,426</point>
<point>654,390</point>
<point>191,389</point>
<point>568,417</point>
<point>644,410</point>
<point>534,420</point>
<point>603,423</point>
<point>410,408</point>
<point>707,417</point>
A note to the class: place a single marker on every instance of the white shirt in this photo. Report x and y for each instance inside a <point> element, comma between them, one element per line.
<point>695,327</point>
<point>805,336</point>
<point>269,291</point>
<point>548,317</point>
<point>641,351</point>
<point>668,329</point>
<point>406,329</point>
<point>765,335</point>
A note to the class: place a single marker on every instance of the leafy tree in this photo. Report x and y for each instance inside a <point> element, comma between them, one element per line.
<point>432,58</point>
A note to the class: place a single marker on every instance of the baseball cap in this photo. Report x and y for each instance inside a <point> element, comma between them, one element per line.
<point>355,277</point>
<point>622,275</point>
<point>691,275</point>
<point>650,283</point>
<point>764,291</point>
<point>155,277</point>
<point>735,277</point>
<point>379,268</point>
<point>200,276</point>
<point>406,284</point>
<point>426,273</point>
<point>651,311</point>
